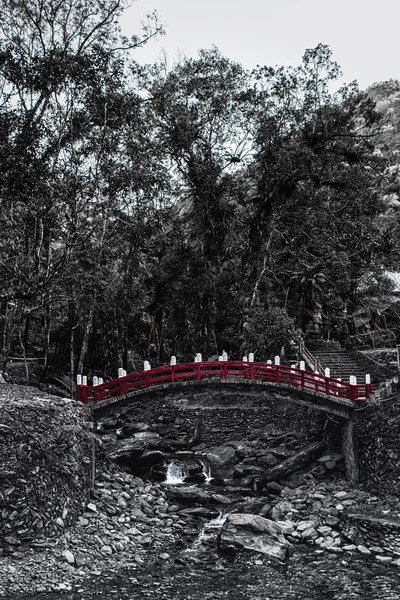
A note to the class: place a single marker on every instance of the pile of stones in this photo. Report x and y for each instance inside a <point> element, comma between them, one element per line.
<point>125,520</point>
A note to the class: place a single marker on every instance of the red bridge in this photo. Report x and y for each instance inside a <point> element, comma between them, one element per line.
<point>259,372</point>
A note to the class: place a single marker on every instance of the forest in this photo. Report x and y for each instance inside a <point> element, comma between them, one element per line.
<point>158,210</point>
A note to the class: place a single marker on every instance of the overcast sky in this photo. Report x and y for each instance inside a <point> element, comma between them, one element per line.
<point>363,36</point>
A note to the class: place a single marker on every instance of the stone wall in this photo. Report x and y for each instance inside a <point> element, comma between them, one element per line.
<point>44,465</point>
<point>370,531</point>
<point>378,429</point>
<point>226,415</point>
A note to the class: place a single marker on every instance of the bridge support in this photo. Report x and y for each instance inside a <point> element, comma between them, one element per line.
<point>349,448</point>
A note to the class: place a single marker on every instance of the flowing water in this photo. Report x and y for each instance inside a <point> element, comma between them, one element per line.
<point>206,472</point>
<point>175,474</point>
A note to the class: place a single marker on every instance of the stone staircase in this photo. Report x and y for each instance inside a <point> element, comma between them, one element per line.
<point>341,364</point>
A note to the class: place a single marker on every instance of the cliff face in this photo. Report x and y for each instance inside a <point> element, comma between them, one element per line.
<point>44,465</point>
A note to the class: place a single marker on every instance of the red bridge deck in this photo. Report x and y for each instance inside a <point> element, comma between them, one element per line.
<point>268,373</point>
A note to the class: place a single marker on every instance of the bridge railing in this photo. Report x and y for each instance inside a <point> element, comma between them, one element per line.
<point>264,372</point>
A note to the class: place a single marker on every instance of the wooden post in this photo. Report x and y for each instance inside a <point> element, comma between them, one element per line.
<point>349,448</point>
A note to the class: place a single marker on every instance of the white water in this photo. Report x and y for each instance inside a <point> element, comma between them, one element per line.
<point>206,472</point>
<point>217,522</point>
<point>209,531</point>
<point>175,475</point>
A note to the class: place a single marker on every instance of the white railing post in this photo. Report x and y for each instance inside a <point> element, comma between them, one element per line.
<point>95,380</point>
<point>120,372</point>
<point>302,366</point>
<point>100,380</point>
<point>277,360</point>
<point>224,356</point>
<point>79,380</point>
<point>353,382</point>
<point>173,360</point>
<point>146,366</point>
<point>84,380</point>
<point>244,359</point>
<point>327,372</point>
<point>220,358</point>
<point>251,357</point>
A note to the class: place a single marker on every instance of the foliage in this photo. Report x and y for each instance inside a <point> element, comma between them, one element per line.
<point>268,330</point>
<point>148,211</point>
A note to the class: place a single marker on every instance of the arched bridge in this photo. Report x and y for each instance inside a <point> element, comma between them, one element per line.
<point>268,380</point>
<point>311,385</point>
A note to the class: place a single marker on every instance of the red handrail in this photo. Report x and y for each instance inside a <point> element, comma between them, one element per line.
<point>271,373</point>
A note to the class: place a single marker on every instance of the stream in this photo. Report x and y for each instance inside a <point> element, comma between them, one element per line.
<point>310,576</point>
<point>195,571</point>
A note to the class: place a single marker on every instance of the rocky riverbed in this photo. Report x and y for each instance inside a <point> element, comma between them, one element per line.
<point>133,542</point>
<point>302,538</point>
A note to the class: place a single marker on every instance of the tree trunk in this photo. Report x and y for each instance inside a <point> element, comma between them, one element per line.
<point>24,354</point>
<point>46,335</point>
<point>85,340</point>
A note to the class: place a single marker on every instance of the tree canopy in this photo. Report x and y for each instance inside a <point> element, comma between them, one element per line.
<point>151,211</point>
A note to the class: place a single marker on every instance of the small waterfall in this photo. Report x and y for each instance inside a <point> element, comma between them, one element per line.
<point>217,522</point>
<point>206,472</point>
<point>175,475</point>
<point>209,532</point>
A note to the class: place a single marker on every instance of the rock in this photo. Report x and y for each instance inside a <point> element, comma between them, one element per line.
<point>304,525</point>
<point>129,428</point>
<point>343,495</point>
<point>164,556</point>
<point>294,463</point>
<point>273,487</point>
<point>131,448</point>
<point>280,510</point>
<point>363,549</point>
<point>80,559</point>
<point>220,499</point>
<point>384,559</point>
<point>68,557</point>
<point>255,534</point>
<point>309,534</point>
<point>222,459</point>
<point>188,495</point>
<point>91,507</point>
<point>9,539</point>
<point>106,550</point>
<point>150,458</point>
<point>286,526</point>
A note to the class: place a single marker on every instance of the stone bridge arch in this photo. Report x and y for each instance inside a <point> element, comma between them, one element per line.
<point>227,406</point>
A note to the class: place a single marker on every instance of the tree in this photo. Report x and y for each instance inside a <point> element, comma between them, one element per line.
<point>65,115</point>
<point>317,184</point>
<point>200,107</point>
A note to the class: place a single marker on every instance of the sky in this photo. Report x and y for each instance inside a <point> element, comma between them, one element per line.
<point>363,36</point>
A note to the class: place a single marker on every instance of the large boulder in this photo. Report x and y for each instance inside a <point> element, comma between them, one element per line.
<point>294,463</point>
<point>222,460</point>
<point>192,496</point>
<point>255,534</point>
<point>130,448</point>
